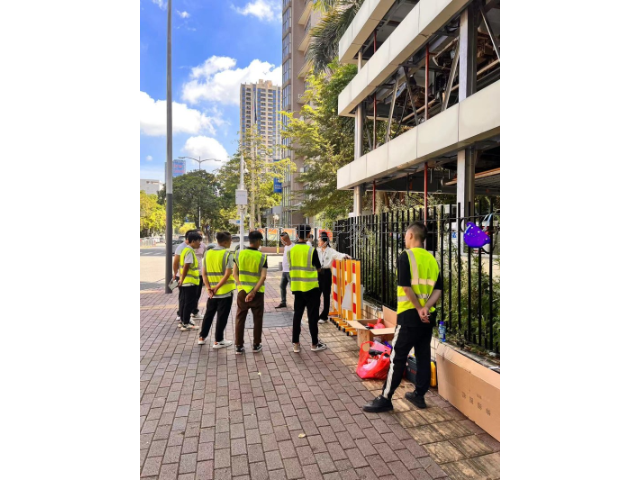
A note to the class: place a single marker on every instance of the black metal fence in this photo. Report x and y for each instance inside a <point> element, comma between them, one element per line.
<point>470,302</point>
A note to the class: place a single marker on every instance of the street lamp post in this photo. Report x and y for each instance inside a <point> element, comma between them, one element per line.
<point>169,170</point>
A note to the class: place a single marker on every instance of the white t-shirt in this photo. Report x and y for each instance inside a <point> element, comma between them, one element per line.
<point>328,256</point>
<point>180,247</point>
<point>285,258</point>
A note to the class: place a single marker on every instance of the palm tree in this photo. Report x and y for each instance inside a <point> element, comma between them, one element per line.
<point>325,37</point>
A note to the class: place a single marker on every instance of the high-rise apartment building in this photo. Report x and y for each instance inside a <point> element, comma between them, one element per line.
<point>298,18</point>
<point>260,104</point>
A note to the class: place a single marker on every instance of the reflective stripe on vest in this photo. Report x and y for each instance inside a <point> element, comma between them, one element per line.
<point>193,275</point>
<point>216,266</point>
<point>303,275</point>
<point>250,263</point>
<point>424,273</point>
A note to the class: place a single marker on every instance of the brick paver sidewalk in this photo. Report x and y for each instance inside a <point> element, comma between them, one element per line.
<point>278,415</point>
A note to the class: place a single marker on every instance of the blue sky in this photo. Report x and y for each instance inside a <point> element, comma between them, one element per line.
<point>217,45</point>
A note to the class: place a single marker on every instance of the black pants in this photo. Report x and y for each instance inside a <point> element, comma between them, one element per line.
<point>221,307</point>
<point>325,288</point>
<point>311,301</point>
<point>286,279</point>
<point>198,294</point>
<point>187,298</point>
<point>404,339</point>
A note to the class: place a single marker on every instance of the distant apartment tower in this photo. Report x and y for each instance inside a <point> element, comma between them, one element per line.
<point>260,104</point>
<point>298,18</point>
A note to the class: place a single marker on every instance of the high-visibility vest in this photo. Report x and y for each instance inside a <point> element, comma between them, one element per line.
<point>424,273</point>
<point>216,265</point>
<point>304,276</point>
<point>193,275</point>
<point>250,264</point>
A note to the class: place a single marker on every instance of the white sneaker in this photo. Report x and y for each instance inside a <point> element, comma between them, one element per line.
<point>322,321</point>
<point>201,341</point>
<point>191,322</point>
<point>178,319</point>
<point>223,344</point>
<point>197,316</point>
<point>320,346</point>
<point>296,348</point>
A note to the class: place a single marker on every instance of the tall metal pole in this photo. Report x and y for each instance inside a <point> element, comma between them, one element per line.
<point>168,273</point>
<point>242,207</point>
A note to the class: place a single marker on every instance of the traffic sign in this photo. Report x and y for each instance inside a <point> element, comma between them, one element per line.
<point>234,222</point>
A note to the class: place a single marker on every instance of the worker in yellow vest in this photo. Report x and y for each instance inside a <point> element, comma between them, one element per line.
<point>304,265</point>
<point>217,272</point>
<point>419,288</point>
<point>189,280</point>
<point>250,273</point>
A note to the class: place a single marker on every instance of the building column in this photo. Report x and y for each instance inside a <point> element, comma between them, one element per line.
<point>358,191</point>
<point>468,68</point>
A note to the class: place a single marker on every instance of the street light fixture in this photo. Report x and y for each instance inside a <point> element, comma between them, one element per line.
<point>200,162</point>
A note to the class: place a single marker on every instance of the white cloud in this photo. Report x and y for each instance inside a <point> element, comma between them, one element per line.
<point>162,4</point>
<point>149,158</point>
<point>184,14</point>
<point>153,118</point>
<point>265,10</point>
<point>206,147</point>
<point>218,80</point>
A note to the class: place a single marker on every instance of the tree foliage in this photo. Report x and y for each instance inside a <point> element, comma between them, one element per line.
<point>152,215</point>
<point>325,37</point>
<point>325,140</point>
<point>195,193</point>
<point>261,172</point>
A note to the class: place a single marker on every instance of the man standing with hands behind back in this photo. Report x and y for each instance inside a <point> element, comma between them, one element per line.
<point>304,266</point>
<point>250,273</point>
<point>217,270</point>
<point>419,288</point>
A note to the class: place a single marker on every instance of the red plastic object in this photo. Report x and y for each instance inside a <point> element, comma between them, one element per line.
<point>377,325</point>
<point>369,367</point>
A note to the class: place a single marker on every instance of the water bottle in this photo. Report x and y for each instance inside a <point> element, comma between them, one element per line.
<point>441,331</point>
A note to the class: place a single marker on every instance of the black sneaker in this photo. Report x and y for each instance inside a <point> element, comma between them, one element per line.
<point>257,348</point>
<point>379,404</point>
<point>239,350</point>
<point>417,400</point>
<point>282,305</point>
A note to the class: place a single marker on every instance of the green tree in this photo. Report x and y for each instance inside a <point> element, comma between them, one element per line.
<point>261,172</point>
<point>152,215</point>
<point>195,196</point>
<point>325,37</point>
<point>325,140</point>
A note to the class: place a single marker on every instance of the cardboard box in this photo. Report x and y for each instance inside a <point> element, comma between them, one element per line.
<point>470,387</point>
<point>366,335</point>
<point>390,316</point>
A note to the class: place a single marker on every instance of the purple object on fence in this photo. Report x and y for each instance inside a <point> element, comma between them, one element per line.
<point>475,237</point>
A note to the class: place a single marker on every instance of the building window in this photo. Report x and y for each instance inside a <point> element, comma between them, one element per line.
<point>286,45</point>
<point>286,98</point>
<point>286,20</point>
<point>286,71</point>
